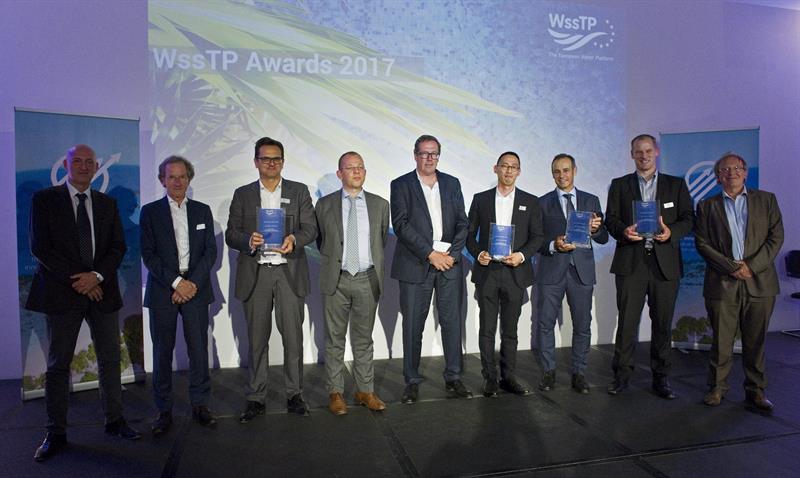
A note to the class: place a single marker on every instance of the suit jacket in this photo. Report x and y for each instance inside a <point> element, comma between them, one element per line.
<point>553,266</point>
<point>160,251</point>
<point>414,229</point>
<point>243,221</point>
<point>676,211</point>
<point>527,220</point>
<point>763,241</point>
<point>330,237</point>
<point>54,244</point>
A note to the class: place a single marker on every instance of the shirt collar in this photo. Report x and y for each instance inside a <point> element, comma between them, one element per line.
<point>360,194</point>
<point>73,190</point>
<point>508,196</point>
<point>277,188</point>
<point>641,179</point>
<point>562,193</point>
<point>174,203</point>
<point>744,193</point>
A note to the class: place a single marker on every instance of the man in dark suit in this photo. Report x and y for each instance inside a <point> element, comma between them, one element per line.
<point>268,276</point>
<point>565,269</point>
<point>431,227</point>
<point>179,250</point>
<point>501,281</point>
<point>739,234</point>
<point>353,226</point>
<point>76,237</point>
<point>648,268</point>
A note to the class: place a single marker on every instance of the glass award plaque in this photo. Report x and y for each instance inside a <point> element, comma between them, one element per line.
<point>645,215</point>
<point>501,241</point>
<point>579,229</point>
<point>271,224</point>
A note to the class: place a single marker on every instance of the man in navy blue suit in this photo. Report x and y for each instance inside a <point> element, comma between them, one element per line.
<point>501,282</point>
<point>431,227</point>
<point>179,251</point>
<point>565,269</point>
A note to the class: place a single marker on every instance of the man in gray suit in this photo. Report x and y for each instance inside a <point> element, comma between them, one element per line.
<point>565,269</point>
<point>272,276</point>
<point>739,233</point>
<point>353,226</point>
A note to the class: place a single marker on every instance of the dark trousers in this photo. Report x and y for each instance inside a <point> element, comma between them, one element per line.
<point>163,325</point>
<point>579,298</point>
<point>499,294</point>
<point>645,282</point>
<point>415,302</point>
<point>63,332</point>
<point>752,315</point>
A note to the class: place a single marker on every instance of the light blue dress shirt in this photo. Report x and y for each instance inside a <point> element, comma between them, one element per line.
<point>364,252</point>
<point>736,212</point>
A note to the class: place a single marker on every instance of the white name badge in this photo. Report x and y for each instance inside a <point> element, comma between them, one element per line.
<point>668,205</point>
<point>201,227</point>
<point>285,201</point>
<point>523,208</point>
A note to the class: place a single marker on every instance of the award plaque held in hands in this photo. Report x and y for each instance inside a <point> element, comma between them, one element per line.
<point>579,229</point>
<point>271,224</point>
<point>501,241</point>
<point>645,215</point>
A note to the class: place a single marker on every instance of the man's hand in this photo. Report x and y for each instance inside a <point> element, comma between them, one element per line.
<point>83,282</point>
<point>185,291</point>
<point>562,246</point>
<point>441,260</point>
<point>514,259</point>
<point>484,258</point>
<point>665,233</point>
<point>631,234</point>
<point>743,272</point>
<point>595,223</point>
<point>95,294</point>
<point>288,245</point>
<point>256,239</point>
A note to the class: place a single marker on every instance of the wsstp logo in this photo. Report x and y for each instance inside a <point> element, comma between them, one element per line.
<point>700,179</point>
<point>578,31</point>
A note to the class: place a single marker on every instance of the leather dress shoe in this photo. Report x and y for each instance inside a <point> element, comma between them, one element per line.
<point>370,400</point>
<point>456,389</point>
<point>121,429</point>
<point>251,410</point>
<point>296,405</point>
<point>490,388</point>
<point>511,385</point>
<point>662,388</point>
<point>202,415</point>
<point>579,384</point>
<point>336,404</point>
<point>52,444</point>
<point>714,397</point>
<point>162,423</point>
<point>617,386</point>
<point>548,381</point>
<point>410,393</point>
<point>759,401</point>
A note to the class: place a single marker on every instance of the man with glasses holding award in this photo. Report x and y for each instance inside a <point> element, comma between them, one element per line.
<point>505,230</point>
<point>572,220</point>
<point>270,222</point>
<point>647,213</point>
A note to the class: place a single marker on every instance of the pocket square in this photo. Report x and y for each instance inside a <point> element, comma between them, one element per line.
<point>200,227</point>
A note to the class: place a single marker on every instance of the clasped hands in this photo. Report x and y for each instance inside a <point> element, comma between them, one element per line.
<point>663,236</point>
<point>513,260</point>
<point>743,272</point>
<point>87,283</point>
<point>257,240</point>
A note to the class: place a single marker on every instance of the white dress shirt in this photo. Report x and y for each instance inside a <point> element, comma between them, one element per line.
<point>180,224</point>
<point>434,202</point>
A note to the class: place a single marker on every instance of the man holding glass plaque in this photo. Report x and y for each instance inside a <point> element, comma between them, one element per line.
<point>272,274</point>
<point>572,220</point>
<point>502,269</point>
<point>646,266</point>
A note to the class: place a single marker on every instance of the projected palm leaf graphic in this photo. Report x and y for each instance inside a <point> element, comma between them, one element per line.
<point>216,114</point>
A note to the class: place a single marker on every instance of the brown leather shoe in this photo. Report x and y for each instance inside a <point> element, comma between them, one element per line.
<point>370,400</point>
<point>713,398</point>
<point>337,405</point>
<point>758,400</point>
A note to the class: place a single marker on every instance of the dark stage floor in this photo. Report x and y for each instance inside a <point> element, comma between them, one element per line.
<point>547,434</point>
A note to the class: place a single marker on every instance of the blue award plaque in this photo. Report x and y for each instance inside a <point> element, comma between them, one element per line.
<point>271,224</point>
<point>579,229</point>
<point>501,241</point>
<point>645,215</point>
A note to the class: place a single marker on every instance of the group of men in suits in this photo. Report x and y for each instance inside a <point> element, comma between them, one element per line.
<point>76,236</point>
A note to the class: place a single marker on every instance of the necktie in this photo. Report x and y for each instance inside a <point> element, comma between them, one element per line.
<point>351,254</point>
<point>570,209</point>
<point>84,233</point>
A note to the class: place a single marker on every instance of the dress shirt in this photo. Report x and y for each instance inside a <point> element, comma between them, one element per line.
<point>73,191</point>
<point>271,200</point>
<point>736,212</point>
<point>180,224</point>
<point>563,202</point>
<point>364,252</point>
<point>648,191</point>
<point>434,202</point>
<point>503,207</point>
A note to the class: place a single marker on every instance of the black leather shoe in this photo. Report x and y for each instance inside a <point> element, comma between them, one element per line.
<point>52,444</point>
<point>296,405</point>
<point>662,388</point>
<point>410,393</point>
<point>490,388</point>
<point>121,429</point>
<point>511,385</point>
<point>203,416</point>
<point>579,384</point>
<point>759,401</point>
<point>251,410</point>
<point>548,381</point>
<point>617,386</point>
<point>456,389</point>
<point>162,423</point>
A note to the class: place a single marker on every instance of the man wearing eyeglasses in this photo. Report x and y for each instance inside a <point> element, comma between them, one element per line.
<point>431,227</point>
<point>353,226</point>
<point>270,276</point>
<point>501,280</point>
<point>739,233</point>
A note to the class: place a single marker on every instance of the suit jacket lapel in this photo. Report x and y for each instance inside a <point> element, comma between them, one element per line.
<point>71,230</point>
<point>191,219</point>
<point>633,184</point>
<point>338,216</point>
<point>416,189</point>
<point>753,204</point>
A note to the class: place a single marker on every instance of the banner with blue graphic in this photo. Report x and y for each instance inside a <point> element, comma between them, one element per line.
<point>42,140</point>
<point>692,156</point>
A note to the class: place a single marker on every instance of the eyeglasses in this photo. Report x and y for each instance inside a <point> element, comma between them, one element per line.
<point>736,169</point>
<point>425,155</point>
<point>268,160</point>
<point>352,169</point>
<point>508,167</point>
